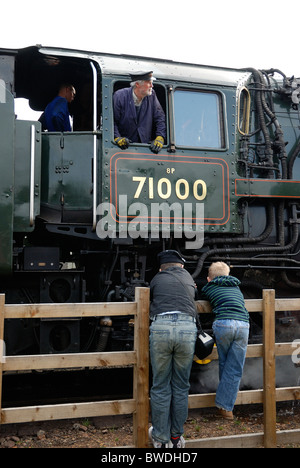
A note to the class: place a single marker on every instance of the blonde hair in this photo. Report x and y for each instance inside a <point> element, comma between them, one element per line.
<point>218,269</point>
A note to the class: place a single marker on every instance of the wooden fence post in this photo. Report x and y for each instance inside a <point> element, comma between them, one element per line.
<point>141,369</point>
<point>269,367</point>
<point>2,347</point>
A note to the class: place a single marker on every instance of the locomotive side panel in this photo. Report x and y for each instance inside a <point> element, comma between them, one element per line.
<point>195,166</point>
<point>27,173</point>
<point>67,177</point>
<point>7,161</point>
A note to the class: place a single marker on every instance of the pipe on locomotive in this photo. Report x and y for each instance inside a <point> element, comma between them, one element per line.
<point>226,251</point>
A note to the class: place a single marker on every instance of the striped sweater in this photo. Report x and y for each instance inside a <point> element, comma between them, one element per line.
<point>226,298</point>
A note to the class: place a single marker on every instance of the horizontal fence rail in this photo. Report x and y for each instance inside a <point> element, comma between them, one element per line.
<point>138,406</point>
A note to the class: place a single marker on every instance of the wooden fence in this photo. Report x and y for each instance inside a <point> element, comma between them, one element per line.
<point>138,406</point>
<point>268,350</point>
<point>138,358</point>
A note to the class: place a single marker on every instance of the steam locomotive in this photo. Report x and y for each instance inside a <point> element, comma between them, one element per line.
<point>82,220</point>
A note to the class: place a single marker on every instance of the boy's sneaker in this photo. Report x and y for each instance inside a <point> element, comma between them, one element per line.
<point>225,414</point>
<point>154,442</point>
<point>177,442</point>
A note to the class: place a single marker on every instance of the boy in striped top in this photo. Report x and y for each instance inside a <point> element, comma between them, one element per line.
<point>231,331</point>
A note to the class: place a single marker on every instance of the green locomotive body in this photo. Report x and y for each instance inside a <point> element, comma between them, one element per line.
<point>82,220</point>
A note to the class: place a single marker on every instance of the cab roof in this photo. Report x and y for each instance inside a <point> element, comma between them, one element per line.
<point>124,65</point>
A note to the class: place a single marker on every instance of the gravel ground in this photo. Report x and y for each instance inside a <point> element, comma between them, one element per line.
<point>116,431</point>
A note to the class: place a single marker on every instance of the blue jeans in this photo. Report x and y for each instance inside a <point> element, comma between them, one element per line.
<point>172,346</point>
<point>232,340</point>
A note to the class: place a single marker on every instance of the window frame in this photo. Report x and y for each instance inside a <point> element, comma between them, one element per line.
<point>244,110</point>
<point>125,83</point>
<point>221,118</point>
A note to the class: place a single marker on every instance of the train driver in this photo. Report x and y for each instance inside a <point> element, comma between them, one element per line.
<point>137,112</point>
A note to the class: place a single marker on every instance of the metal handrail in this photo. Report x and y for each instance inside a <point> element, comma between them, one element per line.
<point>94,144</point>
<point>32,175</point>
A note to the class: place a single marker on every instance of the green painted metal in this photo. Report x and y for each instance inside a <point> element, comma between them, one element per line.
<point>154,179</point>
<point>67,173</point>
<point>7,129</point>
<point>27,175</point>
<point>267,188</point>
<point>175,177</point>
<point>213,177</point>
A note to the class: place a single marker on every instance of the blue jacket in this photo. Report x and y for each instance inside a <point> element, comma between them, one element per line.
<point>56,116</point>
<point>126,123</point>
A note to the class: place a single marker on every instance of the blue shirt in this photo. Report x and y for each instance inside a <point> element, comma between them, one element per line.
<point>57,116</point>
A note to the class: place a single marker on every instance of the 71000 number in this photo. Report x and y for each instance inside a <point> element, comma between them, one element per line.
<point>163,188</point>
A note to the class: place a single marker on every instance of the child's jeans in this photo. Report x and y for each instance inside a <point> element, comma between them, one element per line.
<point>232,340</point>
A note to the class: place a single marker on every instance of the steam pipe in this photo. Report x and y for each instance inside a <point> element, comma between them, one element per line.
<point>247,240</point>
<point>264,249</point>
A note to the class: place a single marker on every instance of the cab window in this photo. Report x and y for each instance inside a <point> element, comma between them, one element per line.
<point>197,119</point>
<point>160,94</point>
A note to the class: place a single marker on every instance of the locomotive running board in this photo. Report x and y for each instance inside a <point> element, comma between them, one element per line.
<point>267,188</point>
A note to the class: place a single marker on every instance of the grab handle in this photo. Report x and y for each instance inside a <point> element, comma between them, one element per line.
<point>32,174</point>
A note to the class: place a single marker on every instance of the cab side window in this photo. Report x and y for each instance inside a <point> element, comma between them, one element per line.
<point>198,121</point>
<point>160,94</point>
